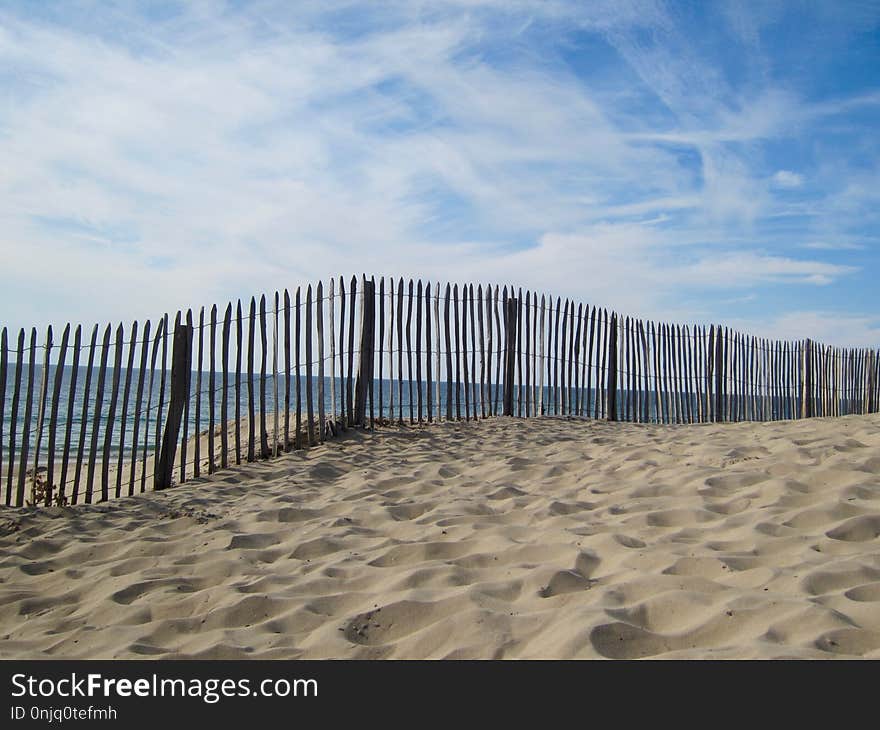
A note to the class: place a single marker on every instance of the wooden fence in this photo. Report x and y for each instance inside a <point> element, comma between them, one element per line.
<point>103,417</point>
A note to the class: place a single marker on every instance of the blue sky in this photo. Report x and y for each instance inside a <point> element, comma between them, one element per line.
<point>694,162</point>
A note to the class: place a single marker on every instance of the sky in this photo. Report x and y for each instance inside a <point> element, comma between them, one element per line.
<point>692,162</point>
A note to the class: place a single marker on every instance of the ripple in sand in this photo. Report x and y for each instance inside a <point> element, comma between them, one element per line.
<point>629,542</point>
<point>868,592</point>
<point>851,641</point>
<point>858,529</point>
<point>624,641</point>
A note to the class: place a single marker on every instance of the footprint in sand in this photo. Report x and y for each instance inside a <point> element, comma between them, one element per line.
<point>569,581</point>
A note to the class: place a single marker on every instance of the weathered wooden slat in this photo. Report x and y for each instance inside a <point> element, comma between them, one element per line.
<point>365,354</point>
<point>553,378</point>
<point>632,370</point>
<point>59,374</point>
<point>528,354</point>
<point>358,384</point>
<point>589,379</point>
<point>559,344</point>
<point>139,399</point>
<point>264,436</point>
<point>572,372</point>
<point>490,409</point>
<point>464,352</point>
<point>184,438</point>
<point>541,315</point>
<point>806,374</point>
<point>297,360</point>
<point>409,361</point>
<point>197,446</point>
<point>96,415</point>
<point>111,413</point>
<point>655,368</point>
<point>349,381</point>
<point>391,311</point>
<point>627,367</point>
<point>642,372</point>
<point>474,401</point>
<point>719,375</point>
<point>43,394</point>
<point>688,345</point>
<point>636,374</point>
<point>682,374</point>
<point>372,363</point>
<point>126,397</point>
<point>28,416</point>
<point>429,372</point>
<point>696,373</point>
<point>535,362</point>
<point>576,328</point>
<point>252,332</point>
<point>286,370</point>
<point>212,370</point>
<point>745,369</point>
<point>181,368</point>
<point>668,375</point>
<point>753,359</point>
<point>511,306</point>
<point>53,412</point>
<point>224,403</point>
<point>612,368</point>
<point>4,365</point>
<point>319,312</point>
<point>569,375</point>
<point>331,304</point>
<point>342,302</point>
<point>731,362</point>
<point>239,350</point>
<point>479,310</point>
<point>276,433</point>
<point>381,349</point>
<point>675,347</point>
<point>13,421</point>
<point>563,362</point>
<point>448,356</point>
<point>518,351</point>
<point>457,352</point>
<point>154,353</point>
<point>499,346</point>
<point>310,405</point>
<point>646,373</point>
<point>419,350</point>
<point>603,383</point>
<point>437,329</point>
<point>161,405</point>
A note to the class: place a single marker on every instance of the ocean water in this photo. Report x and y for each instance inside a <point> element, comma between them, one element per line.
<point>150,413</point>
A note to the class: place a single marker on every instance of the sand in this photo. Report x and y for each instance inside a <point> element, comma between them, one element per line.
<point>507,538</point>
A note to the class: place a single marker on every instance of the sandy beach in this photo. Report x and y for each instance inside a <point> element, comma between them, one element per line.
<point>506,538</point>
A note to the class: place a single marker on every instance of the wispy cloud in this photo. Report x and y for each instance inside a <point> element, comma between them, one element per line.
<point>157,160</point>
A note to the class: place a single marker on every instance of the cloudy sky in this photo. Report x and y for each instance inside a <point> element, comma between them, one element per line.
<point>685,161</point>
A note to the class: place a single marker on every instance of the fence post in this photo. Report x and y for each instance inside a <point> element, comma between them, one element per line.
<point>719,375</point>
<point>612,369</point>
<point>510,354</point>
<point>365,365</point>
<point>181,366</point>
<point>807,396</point>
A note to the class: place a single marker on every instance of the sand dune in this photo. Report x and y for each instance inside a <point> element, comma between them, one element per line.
<point>502,539</point>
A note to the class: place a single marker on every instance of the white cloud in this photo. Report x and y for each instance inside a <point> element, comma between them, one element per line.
<point>254,150</point>
<point>787,180</point>
<point>833,246</point>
